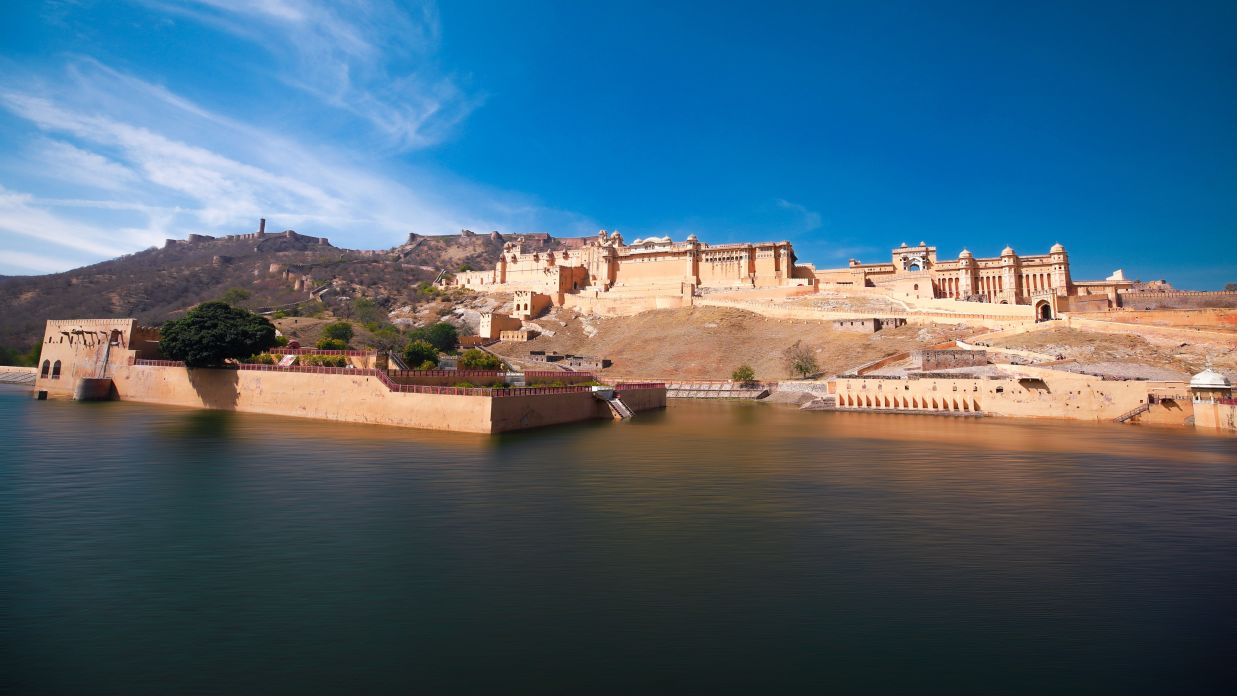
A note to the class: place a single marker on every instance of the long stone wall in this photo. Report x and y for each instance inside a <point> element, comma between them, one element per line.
<point>360,396</point>
<point>1216,415</point>
<point>1035,393</point>
<point>781,311</point>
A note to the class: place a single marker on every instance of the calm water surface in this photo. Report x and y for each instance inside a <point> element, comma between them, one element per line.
<point>710,548</point>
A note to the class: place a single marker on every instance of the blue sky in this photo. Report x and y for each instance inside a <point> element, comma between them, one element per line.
<point>846,128</point>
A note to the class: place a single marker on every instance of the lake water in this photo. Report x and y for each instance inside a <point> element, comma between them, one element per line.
<point>710,548</point>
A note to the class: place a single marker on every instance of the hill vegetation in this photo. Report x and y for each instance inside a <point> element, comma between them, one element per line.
<point>296,274</point>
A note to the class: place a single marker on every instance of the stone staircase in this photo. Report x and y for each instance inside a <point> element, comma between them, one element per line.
<point>1132,413</point>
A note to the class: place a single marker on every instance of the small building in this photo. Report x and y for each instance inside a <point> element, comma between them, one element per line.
<point>585,362</point>
<point>520,336</point>
<point>868,325</point>
<point>493,324</point>
<point>1210,384</point>
<point>948,359</point>
<point>545,356</point>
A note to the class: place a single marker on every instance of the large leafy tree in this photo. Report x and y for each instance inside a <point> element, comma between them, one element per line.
<point>339,330</point>
<point>214,332</point>
<point>474,359</point>
<point>441,335</point>
<point>420,355</point>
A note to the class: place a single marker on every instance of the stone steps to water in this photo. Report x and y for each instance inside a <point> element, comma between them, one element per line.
<point>17,375</point>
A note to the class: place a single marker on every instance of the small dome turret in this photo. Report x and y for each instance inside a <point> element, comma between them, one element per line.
<point>692,237</point>
<point>1057,249</point>
<point>965,254</point>
<point>1210,379</point>
<point>1007,251</point>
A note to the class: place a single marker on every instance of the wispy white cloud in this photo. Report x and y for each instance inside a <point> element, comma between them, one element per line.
<point>161,165</point>
<point>72,164</point>
<point>20,215</point>
<point>374,60</point>
<point>811,219</point>
<point>25,262</point>
<point>119,162</point>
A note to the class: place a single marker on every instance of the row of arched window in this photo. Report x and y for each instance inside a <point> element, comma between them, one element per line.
<point>50,369</point>
<point>909,402</point>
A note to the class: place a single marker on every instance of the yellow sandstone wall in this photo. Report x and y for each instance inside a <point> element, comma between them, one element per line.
<point>1215,416</point>
<point>1059,395</point>
<point>359,398</point>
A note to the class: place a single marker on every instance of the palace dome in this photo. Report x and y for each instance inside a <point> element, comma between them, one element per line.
<point>1210,379</point>
<point>1057,249</point>
<point>965,254</point>
<point>1007,251</point>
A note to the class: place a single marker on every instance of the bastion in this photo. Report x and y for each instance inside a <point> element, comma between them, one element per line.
<point>116,359</point>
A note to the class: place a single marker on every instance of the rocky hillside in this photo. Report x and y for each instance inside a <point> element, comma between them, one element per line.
<point>282,269</point>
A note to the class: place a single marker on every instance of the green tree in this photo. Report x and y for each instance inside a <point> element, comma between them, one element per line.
<point>420,355</point>
<point>368,311</point>
<point>388,338</point>
<point>800,360</point>
<point>476,359</point>
<point>214,332</point>
<point>16,358</point>
<point>744,374</point>
<point>338,330</point>
<point>235,296</point>
<point>331,344</point>
<point>443,336</point>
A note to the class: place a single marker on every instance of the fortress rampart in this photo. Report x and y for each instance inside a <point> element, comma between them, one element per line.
<point>99,353</point>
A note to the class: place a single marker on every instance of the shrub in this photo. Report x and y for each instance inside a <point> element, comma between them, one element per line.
<point>368,311</point>
<point>214,332</point>
<point>279,314</point>
<point>339,330</point>
<point>800,360</point>
<point>474,359</point>
<point>261,359</point>
<point>388,338</point>
<point>235,296</point>
<point>331,344</point>
<point>323,360</point>
<point>281,341</point>
<point>17,358</point>
<point>419,353</point>
<point>464,385</point>
<point>744,374</point>
<point>443,336</point>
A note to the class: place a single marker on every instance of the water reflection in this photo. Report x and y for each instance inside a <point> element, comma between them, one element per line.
<point>720,547</point>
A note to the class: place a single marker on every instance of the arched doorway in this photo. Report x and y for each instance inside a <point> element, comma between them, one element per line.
<point>1044,311</point>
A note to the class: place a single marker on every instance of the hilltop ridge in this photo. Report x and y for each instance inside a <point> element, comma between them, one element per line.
<point>268,270</point>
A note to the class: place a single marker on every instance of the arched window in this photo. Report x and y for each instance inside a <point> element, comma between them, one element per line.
<point>47,366</point>
<point>56,370</point>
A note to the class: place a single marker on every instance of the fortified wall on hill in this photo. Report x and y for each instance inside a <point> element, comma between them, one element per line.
<point>595,273</point>
<point>1040,280</point>
<point>606,275</point>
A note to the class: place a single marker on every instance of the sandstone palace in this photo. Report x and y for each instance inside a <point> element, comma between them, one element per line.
<point>605,274</point>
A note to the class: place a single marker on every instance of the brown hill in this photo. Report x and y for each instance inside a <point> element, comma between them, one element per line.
<point>279,269</point>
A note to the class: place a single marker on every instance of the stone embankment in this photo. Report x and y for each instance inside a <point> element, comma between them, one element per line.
<point>718,390</point>
<point>17,375</point>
